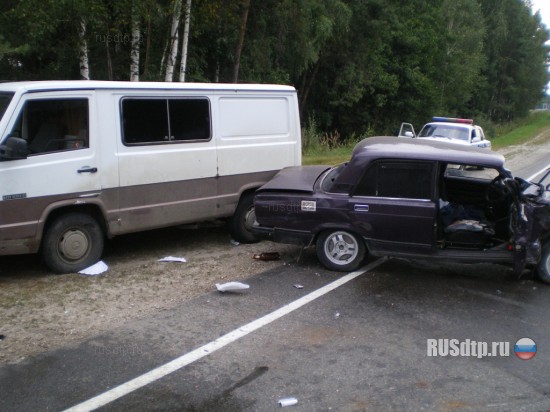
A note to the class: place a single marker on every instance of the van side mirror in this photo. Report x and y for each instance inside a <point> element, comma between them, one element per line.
<point>13,149</point>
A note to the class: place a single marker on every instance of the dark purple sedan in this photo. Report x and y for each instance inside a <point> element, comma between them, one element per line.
<point>410,198</point>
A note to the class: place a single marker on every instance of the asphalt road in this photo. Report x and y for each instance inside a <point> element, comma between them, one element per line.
<point>362,346</point>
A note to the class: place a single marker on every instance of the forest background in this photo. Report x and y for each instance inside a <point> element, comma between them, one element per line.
<point>361,67</point>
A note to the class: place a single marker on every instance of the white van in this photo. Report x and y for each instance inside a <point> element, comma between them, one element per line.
<point>81,161</point>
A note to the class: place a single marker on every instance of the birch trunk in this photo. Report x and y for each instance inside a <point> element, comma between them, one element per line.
<point>84,66</point>
<point>174,39</point>
<point>185,41</point>
<point>240,42</point>
<point>134,53</point>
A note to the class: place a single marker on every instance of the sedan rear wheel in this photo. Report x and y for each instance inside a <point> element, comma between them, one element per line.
<point>340,250</point>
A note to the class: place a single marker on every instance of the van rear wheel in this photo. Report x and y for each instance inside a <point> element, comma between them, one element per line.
<point>240,224</point>
<point>72,242</point>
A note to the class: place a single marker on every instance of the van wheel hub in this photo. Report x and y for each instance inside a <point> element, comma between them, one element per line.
<point>74,244</point>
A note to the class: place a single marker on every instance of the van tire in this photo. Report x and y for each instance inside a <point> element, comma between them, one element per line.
<point>543,269</point>
<point>340,250</point>
<point>242,220</point>
<point>72,242</point>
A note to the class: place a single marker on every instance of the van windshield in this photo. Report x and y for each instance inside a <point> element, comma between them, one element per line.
<point>5,99</point>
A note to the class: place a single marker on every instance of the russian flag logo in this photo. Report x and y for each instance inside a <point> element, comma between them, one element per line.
<point>525,348</point>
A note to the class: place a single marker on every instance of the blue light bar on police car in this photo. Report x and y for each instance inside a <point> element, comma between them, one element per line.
<point>452,120</point>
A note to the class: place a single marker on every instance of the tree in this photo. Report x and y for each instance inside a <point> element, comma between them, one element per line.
<point>460,71</point>
<point>517,56</point>
<point>185,41</point>
<point>136,41</point>
<point>173,42</point>
<point>240,41</point>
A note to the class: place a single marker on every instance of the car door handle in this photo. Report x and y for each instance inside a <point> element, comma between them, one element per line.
<point>87,169</point>
<point>361,208</point>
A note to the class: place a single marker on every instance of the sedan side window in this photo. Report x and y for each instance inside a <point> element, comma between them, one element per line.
<point>394,179</point>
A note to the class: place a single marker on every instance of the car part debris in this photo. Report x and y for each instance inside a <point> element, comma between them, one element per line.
<point>173,259</point>
<point>267,256</point>
<point>287,402</point>
<point>231,286</point>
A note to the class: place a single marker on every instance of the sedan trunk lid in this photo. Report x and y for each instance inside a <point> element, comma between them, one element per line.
<point>295,179</point>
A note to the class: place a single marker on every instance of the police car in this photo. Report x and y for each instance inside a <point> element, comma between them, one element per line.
<point>459,131</point>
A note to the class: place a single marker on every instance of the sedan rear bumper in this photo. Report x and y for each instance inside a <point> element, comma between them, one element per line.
<point>293,237</point>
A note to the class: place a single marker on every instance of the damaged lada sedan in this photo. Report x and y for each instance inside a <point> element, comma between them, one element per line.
<point>410,198</point>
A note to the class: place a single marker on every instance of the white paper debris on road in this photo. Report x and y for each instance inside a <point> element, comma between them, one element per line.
<point>173,259</point>
<point>95,269</point>
<point>231,286</point>
<point>287,402</point>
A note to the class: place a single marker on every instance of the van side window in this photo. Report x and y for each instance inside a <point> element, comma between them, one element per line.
<point>53,125</point>
<point>146,121</point>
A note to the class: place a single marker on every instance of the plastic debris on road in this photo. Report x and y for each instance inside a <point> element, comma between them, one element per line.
<point>173,259</point>
<point>298,286</point>
<point>287,402</point>
<point>231,286</point>
<point>96,269</point>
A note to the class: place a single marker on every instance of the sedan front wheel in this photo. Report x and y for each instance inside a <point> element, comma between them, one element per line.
<point>340,250</point>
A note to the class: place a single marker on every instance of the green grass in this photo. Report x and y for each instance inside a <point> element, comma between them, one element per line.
<point>523,131</point>
<point>325,156</point>
<point>505,135</point>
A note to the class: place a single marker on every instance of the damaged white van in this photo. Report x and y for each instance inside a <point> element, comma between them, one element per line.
<point>82,161</point>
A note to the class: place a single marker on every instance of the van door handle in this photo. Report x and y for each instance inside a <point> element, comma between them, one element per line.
<point>87,169</point>
<point>360,208</point>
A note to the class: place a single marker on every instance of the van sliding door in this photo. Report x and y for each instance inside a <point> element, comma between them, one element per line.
<point>167,162</point>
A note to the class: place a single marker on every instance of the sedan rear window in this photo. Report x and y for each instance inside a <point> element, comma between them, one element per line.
<point>328,184</point>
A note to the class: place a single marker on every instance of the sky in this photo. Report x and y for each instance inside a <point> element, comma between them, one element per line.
<point>544,7</point>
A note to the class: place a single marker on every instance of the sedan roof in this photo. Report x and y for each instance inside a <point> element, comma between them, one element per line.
<point>420,149</point>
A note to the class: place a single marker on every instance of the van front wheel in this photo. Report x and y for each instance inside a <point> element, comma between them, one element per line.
<point>72,242</point>
<point>240,224</point>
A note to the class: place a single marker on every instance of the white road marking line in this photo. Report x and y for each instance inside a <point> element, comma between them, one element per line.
<point>536,174</point>
<point>205,350</point>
